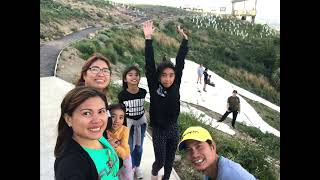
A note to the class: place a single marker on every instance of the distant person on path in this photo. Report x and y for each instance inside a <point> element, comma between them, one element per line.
<point>96,73</point>
<point>233,106</point>
<point>200,73</point>
<point>118,136</point>
<point>209,81</point>
<point>81,151</point>
<point>164,84</point>
<point>201,152</point>
<point>205,81</point>
<point>133,98</point>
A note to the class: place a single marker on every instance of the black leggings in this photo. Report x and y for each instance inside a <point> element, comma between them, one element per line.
<point>165,142</point>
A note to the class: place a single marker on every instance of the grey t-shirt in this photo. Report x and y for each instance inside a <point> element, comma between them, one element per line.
<point>229,170</point>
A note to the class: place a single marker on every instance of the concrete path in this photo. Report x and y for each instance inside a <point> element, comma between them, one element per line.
<point>52,91</point>
<point>50,51</point>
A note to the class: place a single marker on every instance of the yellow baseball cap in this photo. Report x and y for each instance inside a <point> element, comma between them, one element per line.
<point>194,133</point>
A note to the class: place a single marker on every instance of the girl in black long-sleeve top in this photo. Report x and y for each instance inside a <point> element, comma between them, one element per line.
<point>164,84</point>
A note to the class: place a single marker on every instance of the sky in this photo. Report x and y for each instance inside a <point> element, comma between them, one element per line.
<point>268,11</point>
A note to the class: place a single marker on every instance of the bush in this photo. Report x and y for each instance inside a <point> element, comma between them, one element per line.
<point>119,49</point>
<point>103,38</point>
<point>276,79</point>
<point>110,53</point>
<point>85,47</point>
<point>113,91</point>
<point>99,14</point>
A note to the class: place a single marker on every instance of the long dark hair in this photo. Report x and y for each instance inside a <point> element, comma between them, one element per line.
<point>121,107</point>
<point>87,65</point>
<point>71,101</point>
<point>124,74</point>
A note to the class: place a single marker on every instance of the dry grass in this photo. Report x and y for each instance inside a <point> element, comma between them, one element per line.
<point>137,43</point>
<point>259,80</point>
<point>165,40</point>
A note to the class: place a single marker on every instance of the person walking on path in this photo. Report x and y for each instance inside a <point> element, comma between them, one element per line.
<point>233,106</point>
<point>164,86</point>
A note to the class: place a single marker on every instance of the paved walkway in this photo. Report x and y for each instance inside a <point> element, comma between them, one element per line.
<point>52,91</point>
<point>49,51</point>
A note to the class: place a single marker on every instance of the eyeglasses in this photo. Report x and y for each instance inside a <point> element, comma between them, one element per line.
<point>96,70</point>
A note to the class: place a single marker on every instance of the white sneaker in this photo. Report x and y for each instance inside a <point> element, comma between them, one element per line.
<point>139,172</point>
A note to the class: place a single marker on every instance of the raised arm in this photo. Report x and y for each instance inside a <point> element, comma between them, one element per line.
<point>150,68</point>
<point>182,53</point>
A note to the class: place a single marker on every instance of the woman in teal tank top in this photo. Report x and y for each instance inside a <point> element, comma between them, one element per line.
<point>81,151</point>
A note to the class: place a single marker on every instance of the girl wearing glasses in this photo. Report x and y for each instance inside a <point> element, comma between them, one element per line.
<point>81,151</point>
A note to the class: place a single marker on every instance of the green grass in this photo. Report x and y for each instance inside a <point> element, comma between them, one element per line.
<point>270,142</point>
<point>270,116</point>
<point>51,11</point>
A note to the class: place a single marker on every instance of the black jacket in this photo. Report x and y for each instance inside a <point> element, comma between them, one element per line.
<point>164,102</point>
<point>74,164</point>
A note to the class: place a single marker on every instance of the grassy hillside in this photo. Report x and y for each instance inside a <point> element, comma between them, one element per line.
<point>250,61</point>
<point>60,17</point>
<point>269,115</point>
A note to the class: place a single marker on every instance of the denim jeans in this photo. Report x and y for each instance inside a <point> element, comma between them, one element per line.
<point>136,152</point>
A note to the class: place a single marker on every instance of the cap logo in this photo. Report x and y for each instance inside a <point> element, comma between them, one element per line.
<point>190,133</point>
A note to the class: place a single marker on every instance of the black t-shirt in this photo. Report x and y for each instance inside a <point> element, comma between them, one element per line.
<point>134,103</point>
<point>205,76</point>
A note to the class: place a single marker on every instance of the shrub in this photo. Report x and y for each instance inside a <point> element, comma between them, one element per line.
<point>99,14</point>
<point>103,38</point>
<point>85,47</point>
<point>119,49</point>
<point>110,53</point>
<point>276,79</point>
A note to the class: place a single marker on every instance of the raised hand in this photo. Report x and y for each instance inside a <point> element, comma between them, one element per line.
<point>148,29</point>
<point>182,32</point>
